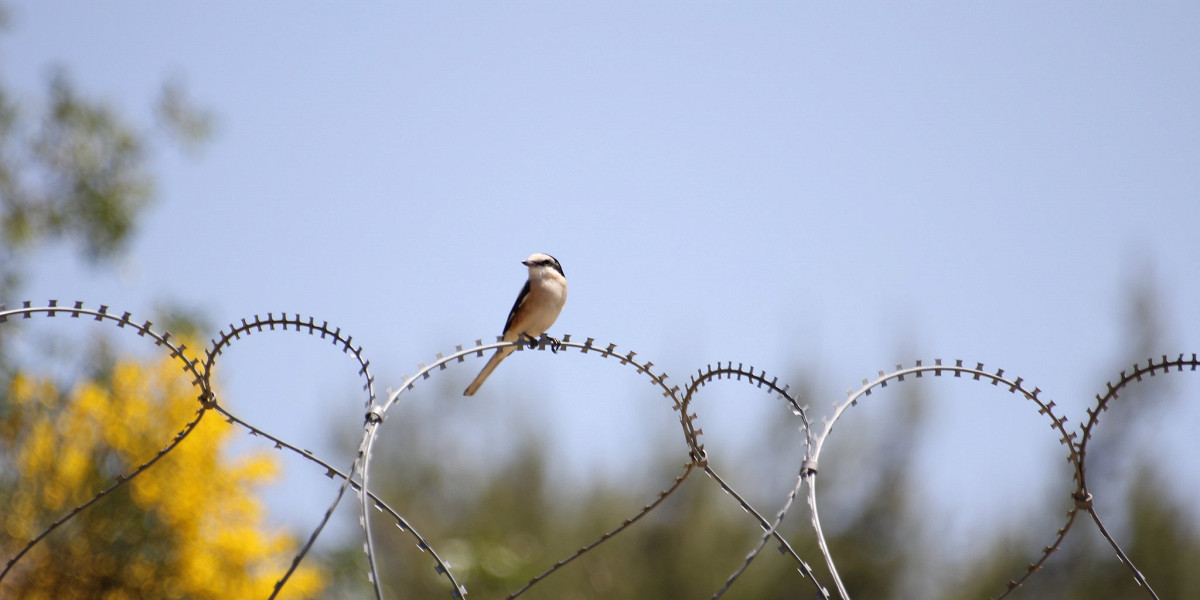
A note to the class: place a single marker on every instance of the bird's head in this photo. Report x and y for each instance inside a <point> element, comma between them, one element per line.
<point>538,260</point>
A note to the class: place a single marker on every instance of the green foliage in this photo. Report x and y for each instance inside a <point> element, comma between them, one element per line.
<point>187,124</point>
<point>502,524</point>
<point>91,168</point>
<point>76,171</point>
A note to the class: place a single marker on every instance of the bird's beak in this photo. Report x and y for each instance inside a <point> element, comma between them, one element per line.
<point>526,263</point>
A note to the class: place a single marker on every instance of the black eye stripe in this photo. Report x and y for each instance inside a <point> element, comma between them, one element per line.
<point>549,261</point>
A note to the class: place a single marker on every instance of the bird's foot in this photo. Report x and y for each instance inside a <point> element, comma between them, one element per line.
<point>555,344</point>
<point>529,339</point>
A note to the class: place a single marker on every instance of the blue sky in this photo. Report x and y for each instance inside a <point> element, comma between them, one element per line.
<point>810,188</point>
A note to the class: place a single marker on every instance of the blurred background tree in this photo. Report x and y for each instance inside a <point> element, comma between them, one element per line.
<point>189,527</point>
<point>73,171</point>
<point>500,525</point>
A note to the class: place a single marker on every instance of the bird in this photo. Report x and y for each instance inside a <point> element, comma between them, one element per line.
<point>536,309</point>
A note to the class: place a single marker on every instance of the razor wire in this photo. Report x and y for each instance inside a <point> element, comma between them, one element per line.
<point>356,476</point>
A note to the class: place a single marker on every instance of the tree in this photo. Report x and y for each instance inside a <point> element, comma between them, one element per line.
<point>190,526</point>
<point>499,522</point>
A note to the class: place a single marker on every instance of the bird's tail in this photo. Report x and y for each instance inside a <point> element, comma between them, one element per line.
<point>501,354</point>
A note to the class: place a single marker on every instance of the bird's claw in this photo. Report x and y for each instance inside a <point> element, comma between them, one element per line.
<point>533,342</point>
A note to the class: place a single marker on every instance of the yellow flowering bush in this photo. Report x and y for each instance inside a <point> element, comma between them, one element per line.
<point>189,527</point>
